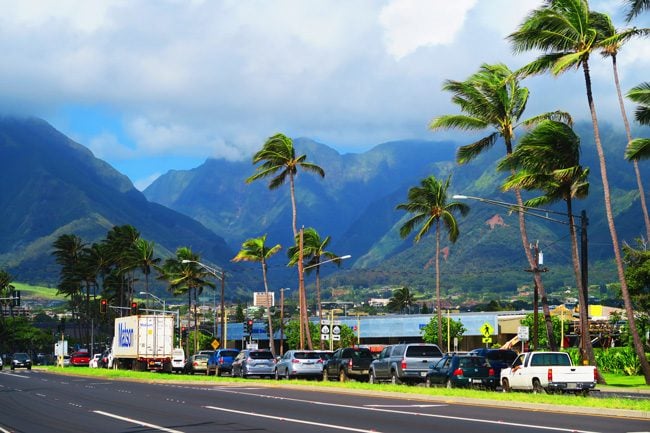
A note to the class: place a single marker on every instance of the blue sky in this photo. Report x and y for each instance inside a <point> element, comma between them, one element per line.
<point>154,85</point>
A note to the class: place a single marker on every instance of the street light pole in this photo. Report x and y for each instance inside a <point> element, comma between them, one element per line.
<point>282,320</point>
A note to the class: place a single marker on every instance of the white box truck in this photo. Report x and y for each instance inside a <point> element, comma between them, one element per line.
<point>143,343</point>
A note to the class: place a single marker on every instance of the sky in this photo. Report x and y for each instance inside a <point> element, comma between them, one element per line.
<point>155,85</point>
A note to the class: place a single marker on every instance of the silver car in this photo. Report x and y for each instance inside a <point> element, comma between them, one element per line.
<point>299,363</point>
<point>253,363</point>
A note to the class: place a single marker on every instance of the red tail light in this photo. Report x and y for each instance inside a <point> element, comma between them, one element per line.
<point>549,375</point>
<point>403,364</point>
<point>458,372</point>
<point>491,372</point>
<point>350,363</point>
<point>295,361</point>
<point>195,364</point>
<point>320,361</point>
<point>595,374</point>
<point>220,360</point>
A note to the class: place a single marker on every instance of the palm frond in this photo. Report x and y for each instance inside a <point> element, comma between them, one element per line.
<point>638,149</point>
<point>468,152</point>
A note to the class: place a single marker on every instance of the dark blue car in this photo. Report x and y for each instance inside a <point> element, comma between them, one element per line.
<point>498,358</point>
<point>455,371</point>
<point>220,361</point>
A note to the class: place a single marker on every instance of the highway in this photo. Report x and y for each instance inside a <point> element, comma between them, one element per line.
<point>35,401</point>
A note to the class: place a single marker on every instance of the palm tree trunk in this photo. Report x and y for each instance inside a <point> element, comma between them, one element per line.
<point>638,344</point>
<point>268,311</point>
<point>320,309</point>
<point>438,303</point>
<point>294,210</point>
<point>635,163</point>
<point>196,322</point>
<point>586,351</point>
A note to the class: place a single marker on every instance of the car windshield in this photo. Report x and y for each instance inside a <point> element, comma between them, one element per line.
<point>228,353</point>
<point>423,351</point>
<point>201,357</point>
<point>21,357</point>
<point>306,355</point>
<point>261,355</point>
<point>472,361</point>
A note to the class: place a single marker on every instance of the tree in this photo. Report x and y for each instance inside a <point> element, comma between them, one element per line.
<point>637,273</point>
<point>292,334</point>
<point>639,148</point>
<point>493,99</point>
<point>279,155</point>
<point>401,300</point>
<point>6,291</point>
<point>566,32</point>
<point>612,42</point>
<point>188,277</point>
<point>548,159</point>
<point>432,329</point>
<point>429,206</point>
<point>541,336</point>
<point>636,7</point>
<point>145,259</point>
<point>255,250</point>
<point>314,250</point>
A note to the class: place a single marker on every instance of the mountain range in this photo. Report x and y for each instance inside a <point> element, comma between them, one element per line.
<point>52,185</point>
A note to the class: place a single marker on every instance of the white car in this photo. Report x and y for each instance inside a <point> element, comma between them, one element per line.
<point>94,361</point>
<point>178,360</point>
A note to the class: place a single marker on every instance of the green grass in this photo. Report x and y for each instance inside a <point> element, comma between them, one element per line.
<point>40,292</point>
<point>412,391</point>
<point>625,381</point>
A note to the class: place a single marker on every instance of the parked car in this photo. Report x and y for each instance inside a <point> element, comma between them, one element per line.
<point>299,363</point>
<point>408,363</point>
<point>455,371</point>
<point>324,354</point>
<point>220,361</point>
<point>348,363</point>
<point>178,360</point>
<point>498,358</point>
<point>253,363</point>
<point>196,364</point>
<point>105,359</point>
<point>21,360</point>
<point>1,365</point>
<point>94,361</point>
<point>80,359</point>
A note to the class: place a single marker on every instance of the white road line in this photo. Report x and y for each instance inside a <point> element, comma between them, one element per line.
<point>135,421</point>
<point>405,405</point>
<point>430,415</point>
<point>4,431</point>
<point>16,375</point>
<point>294,420</point>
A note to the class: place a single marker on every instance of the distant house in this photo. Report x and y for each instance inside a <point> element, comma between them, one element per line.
<point>378,302</point>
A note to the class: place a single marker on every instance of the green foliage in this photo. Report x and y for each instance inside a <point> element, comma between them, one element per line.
<point>292,334</point>
<point>18,334</point>
<point>619,360</point>
<point>456,330</point>
<point>637,273</point>
<point>541,328</point>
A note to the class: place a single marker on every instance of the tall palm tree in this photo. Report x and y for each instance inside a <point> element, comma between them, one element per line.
<point>636,7</point>
<point>401,299</point>
<point>639,148</point>
<point>120,242</point>
<point>314,250</point>
<point>188,278</point>
<point>492,98</point>
<point>68,251</point>
<point>548,159</point>
<point>566,32</point>
<point>430,206</point>
<point>255,250</point>
<point>279,161</point>
<point>612,42</point>
<point>145,259</point>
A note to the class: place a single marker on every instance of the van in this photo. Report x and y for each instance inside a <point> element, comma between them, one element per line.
<point>178,360</point>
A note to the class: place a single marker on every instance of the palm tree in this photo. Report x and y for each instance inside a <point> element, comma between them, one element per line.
<point>120,242</point>
<point>188,277</point>
<point>429,206</point>
<point>636,7</point>
<point>639,148</point>
<point>492,98</point>
<point>68,250</point>
<point>314,249</point>
<point>401,299</point>
<point>610,47</point>
<point>145,258</point>
<point>566,31</point>
<point>6,291</point>
<point>548,159</point>
<point>255,250</point>
<point>279,155</point>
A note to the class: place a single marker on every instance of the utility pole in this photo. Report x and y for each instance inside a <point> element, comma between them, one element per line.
<point>536,270</point>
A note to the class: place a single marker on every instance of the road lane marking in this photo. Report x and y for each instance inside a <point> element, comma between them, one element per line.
<point>430,415</point>
<point>16,375</point>
<point>405,405</point>
<point>294,420</point>
<point>135,421</point>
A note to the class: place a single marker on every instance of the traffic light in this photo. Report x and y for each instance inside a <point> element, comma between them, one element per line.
<point>184,333</point>
<point>249,326</point>
<point>134,308</point>
<point>103,306</point>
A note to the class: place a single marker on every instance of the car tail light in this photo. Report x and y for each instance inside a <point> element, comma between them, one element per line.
<point>320,361</point>
<point>295,361</point>
<point>491,372</point>
<point>595,374</point>
<point>549,375</point>
<point>350,363</point>
<point>458,372</point>
<point>196,364</point>
<point>403,364</point>
<point>221,360</point>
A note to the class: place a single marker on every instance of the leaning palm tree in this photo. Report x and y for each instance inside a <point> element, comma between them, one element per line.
<point>279,161</point>
<point>401,300</point>
<point>566,32</point>
<point>548,159</point>
<point>639,148</point>
<point>255,250</point>
<point>314,250</point>
<point>493,99</point>
<point>430,206</point>
<point>610,46</point>
<point>636,7</point>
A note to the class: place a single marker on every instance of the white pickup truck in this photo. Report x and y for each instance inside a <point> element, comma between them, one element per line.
<point>548,372</point>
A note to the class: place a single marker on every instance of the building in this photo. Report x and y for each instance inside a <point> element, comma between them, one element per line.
<point>263,299</point>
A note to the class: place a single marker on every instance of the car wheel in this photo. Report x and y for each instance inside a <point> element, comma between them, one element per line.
<point>277,375</point>
<point>286,374</point>
<point>218,372</point>
<point>343,377</point>
<point>505,385</point>
<point>371,377</point>
<point>394,379</point>
<point>449,384</point>
<point>537,387</point>
<point>427,382</point>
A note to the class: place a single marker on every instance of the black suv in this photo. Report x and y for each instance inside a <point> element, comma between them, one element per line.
<point>348,363</point>
<point>21,360</point>
<point>498,358</point>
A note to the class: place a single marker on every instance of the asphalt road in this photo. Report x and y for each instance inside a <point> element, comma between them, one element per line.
<point>35,401</point>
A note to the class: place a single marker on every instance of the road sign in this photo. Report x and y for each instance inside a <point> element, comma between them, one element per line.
<point>523,333</point>
<point>487,329</point>
<point>215,344</point>
<point>325,329</point>
<point>487,339</point>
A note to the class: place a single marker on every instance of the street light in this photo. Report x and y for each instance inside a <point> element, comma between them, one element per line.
<point>543,214</point>
<point>220,275</point>
<point>336,259</point>
<point>162,301</point>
